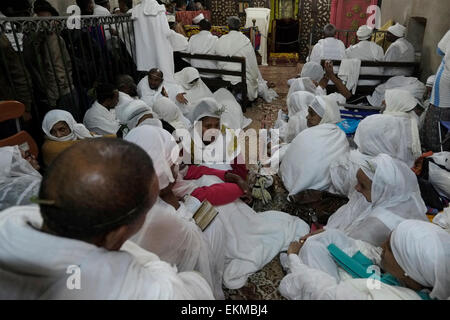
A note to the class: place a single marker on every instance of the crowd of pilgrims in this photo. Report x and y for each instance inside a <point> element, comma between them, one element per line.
<point>117,197</point>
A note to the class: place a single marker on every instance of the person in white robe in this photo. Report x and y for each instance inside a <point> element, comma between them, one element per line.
<point>419,273</point>
<point>318,148</point>
<point>305,84</point>
<point>402,104</point>
<point>410,84</point>
<point>19,178</point>
<point>67,248</point>
<point>388,193</point>
<point>400,50</point>
<point>152,34</point>
<point>366,50</point>
<point>100,118</point>
<point>135,114</point>
<point>328,48</point>
<point>195,89</point>
<point>169,112</point>
<point>312,70</point>
<point>169,230</point>
<point>203,42</point>
<point>155,86</point>
<point>251,239</point>
<point>376,134</point>
<point>236,44</point>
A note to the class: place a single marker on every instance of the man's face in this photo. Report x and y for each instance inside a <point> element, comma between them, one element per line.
<point>364,185</point>
<point>123,7</point>
<point>209,123</point>
<point>60,129</point>
<point>154,81</point>
<point>390,37</point>
<point>115,99</point>
<point>30,158</point>
<point>312,119</point>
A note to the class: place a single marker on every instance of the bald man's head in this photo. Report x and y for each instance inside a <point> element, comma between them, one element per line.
<point>97,186</point>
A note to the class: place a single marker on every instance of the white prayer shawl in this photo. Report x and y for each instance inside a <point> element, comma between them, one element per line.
<point>133,112</point>
<point>318,148</point>
<point>150,96</point>
<point>366,51</point>
<point>168,111</point>
<point>302,84</point>
<point>100,120</point>
<point>237,44</point>
<point>328,49</point>
<point>124,100</point>
<point>178,41</point>
<point>232,117</point>
<point>152,33</point>
<point>395,197</point>
<point>349,73</point>
<point>35,266</point>
<point>315,275</point>
<point>194,92</point>
<point>411,84</point>
<point>19,181</point>
<point>399,51</point>
<point>422,250</point>
<point>440,95</point>
<point>203,43</point>
<point>264,91</point>
<point>312,70</point>
<point>440,177</point>
<point>401,103</point>
<point>327,108</point>
<point>443,219</point>
<point>77,130</point>
<point>299,101</point>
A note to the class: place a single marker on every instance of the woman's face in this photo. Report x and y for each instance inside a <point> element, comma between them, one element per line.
<point>312,119</point>
<point>60,129</point>
<point>364,185</point>
<point>207,124</point>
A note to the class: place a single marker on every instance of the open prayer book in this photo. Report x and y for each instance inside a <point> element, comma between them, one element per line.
<point>205,215</point>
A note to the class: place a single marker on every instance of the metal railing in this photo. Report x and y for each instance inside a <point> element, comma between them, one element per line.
<point>51,62</point>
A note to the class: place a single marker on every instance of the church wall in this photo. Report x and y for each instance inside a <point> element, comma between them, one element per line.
<point>437,13</point>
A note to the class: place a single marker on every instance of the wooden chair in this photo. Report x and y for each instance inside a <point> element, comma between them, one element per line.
<point>13,110</point>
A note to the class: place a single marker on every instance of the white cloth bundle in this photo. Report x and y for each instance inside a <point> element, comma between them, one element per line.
<point>411,84</point>
<point>77,130</point>
<point>168,111</point>
<point>318,147</point>
<point>349,73</point>
<point>232,117</point>
<point>101,120</point>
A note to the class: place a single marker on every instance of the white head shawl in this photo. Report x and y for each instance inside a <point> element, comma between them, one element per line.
<point>198,18</point>
<point>395,196</point>
<point>299,101</point>
<point>381,133</point>
<point>401,103</point>
<point>77,130</point>
<point>302,84</point>
<point>444,44</point>
<point>168,111</point>
<point>312,70</point>
<point>19,181</point>
<point>397,30</point>
<point>422,249</point>
<point>207,107</point>
<point>364,32</point>
<point>133,112</point>
<point>196,91</point>
<point>152,7</point>
<point>327,108</point>
<point>161,147</point>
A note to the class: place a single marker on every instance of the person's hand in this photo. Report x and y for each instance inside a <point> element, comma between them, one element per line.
<point>329,68</point>
<point>164,92</point>
<point>247,196</point>
<point>294,247</point>
<point>305,237</point>
<point>181,98</point>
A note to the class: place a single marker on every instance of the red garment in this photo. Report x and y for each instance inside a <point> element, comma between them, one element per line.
<point>219,193</point>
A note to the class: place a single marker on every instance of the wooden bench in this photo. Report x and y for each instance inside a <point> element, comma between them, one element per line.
<point>368,89</point>
<point>217,83</point>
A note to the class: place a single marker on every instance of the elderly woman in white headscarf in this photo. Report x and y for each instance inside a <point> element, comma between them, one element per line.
<point>61,131</point>
<point>323,109</point>
<point>376,134</point>
<point>169,230</point>
<point>19,178</point>
<point>305,84</point>
<point>402,104</point>
<point>414,259</point>
<point>169,112</point>
<point>312,70</point>
<point>134,114</point>
<point>388,193</point>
